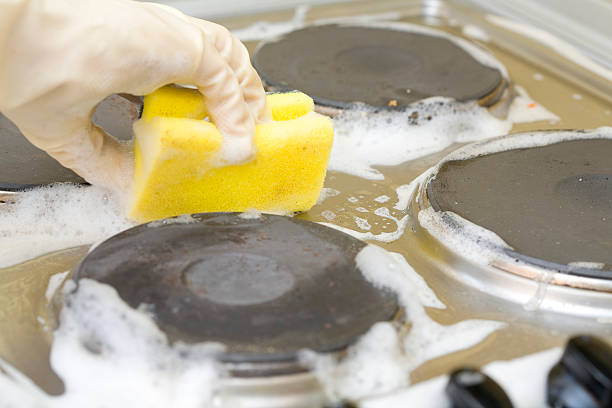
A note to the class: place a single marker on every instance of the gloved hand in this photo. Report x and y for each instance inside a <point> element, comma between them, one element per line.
<point>59,58</point>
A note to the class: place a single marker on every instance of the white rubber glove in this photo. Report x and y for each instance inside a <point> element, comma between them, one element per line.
<point>59,58</point>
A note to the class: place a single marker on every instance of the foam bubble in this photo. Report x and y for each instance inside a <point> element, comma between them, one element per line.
<point>365,137</point>
<point>55,282</point>
<point>462,236</point>
<point>523,141</point>
<point>55,217</point>
<point>363,224</point>
<point>382,199</point>
<point>475,32</point>
<point>133,362</point>
<point>381,361</point>
<point>524,109</point>
<point>326,193</point>
<point>181,219</point>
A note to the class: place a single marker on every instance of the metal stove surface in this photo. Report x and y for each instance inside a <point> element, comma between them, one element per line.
<point>579,97</point>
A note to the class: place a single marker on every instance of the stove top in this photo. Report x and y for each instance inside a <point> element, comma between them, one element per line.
<point>553,202</point>
<point>265,287</point>
<point>382,67</point>
<point>539,303</point>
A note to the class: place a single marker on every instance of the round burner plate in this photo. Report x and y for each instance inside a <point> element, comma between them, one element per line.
<point>552,204</point>
<point>341,65</point>
<point>265,287</point>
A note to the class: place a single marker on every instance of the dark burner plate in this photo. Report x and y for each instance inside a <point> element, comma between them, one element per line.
<point>265,287</point>
<point>552,204</point>
<point>23,165</point>
<point>339,65</point>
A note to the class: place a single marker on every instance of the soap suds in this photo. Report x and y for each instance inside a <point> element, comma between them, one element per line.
<point>250,215</point>
<point>525,110</point>
<point>530,391</point>
<point>363,224</point>
<point>577,96</point>
<point>328,215</point>
<point>364,137</point>
<point>475,32</point>
<point>326,193</point>
<point>538,77</point>
<point>382,360</point>
<point>56,217</point>
<point>54,282</point>
<point>186,219</point>
<point>130,358</point>
<point>462,236</point>
<point>382,199</point>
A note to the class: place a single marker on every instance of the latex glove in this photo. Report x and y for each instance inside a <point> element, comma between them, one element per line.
<point>59,58</point>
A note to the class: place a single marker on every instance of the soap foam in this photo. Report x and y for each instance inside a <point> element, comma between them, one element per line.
<point>365,137</point>
<point>475,32</point>
<point>382,360</point>
<point>530,391</point>
<point>107,352</point>
<point>326,193</point>
<point>55,217</point>
<point>523,141</point>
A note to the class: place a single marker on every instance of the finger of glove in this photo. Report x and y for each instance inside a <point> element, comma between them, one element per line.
<point>237,57</point>
<point>97,157</point>
<point>226,105</point>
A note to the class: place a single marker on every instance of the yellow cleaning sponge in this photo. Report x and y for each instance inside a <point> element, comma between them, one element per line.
<point>175,150</point>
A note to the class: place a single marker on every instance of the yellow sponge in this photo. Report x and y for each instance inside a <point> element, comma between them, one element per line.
<point>175,150</point>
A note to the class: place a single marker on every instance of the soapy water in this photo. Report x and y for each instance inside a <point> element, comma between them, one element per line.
<point>404,193</point>
<point>382,360</point>
<point>108,352</point>
<point>365,137</point>
<point>57,217</point>
<point>530,391</point>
